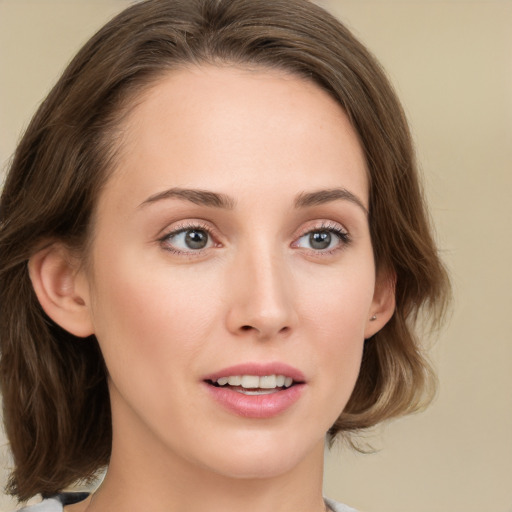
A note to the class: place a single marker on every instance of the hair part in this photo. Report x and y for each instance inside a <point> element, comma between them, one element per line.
<point>56,403</point>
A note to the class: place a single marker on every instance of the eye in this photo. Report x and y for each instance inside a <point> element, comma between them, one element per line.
<point>325,239</point>
<point>186,240</point>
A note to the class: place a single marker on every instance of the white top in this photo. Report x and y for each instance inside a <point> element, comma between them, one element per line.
<point>56,505</point>
<point>50,505</point>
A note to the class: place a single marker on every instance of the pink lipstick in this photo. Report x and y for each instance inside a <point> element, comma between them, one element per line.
<point>256,390</point>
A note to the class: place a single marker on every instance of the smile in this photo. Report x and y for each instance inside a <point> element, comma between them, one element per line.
<point>256,390</point>
<point>254,384</point>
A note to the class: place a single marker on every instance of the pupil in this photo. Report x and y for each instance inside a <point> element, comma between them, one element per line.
<point>196,239</point>
<point>320,239</point>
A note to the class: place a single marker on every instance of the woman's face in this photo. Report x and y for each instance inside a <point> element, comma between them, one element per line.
<point>232,243</point>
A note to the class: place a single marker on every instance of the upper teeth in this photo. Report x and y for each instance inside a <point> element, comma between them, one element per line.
<point>253,381</point>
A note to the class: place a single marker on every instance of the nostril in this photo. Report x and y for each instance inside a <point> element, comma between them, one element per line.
<point>246,327</point>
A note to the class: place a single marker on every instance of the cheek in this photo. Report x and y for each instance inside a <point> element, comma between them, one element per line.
<point>341,339</point>
<point>338,305</point>
<point>336,320</point>
<point>145,318</point>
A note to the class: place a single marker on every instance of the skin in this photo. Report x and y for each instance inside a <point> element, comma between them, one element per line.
<point>167,315</point>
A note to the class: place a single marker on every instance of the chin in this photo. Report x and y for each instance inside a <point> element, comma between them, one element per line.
<point>266,458</point>
<point>256,469</point>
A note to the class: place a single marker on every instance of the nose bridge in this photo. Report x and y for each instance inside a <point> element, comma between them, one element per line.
<point>263,299</point>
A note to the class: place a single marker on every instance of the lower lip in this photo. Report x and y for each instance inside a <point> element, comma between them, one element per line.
<point>256,406</point>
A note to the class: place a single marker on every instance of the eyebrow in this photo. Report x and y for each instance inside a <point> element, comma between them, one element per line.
<point>218,200</point>
<point>306,199</point>
<point>196,196</point>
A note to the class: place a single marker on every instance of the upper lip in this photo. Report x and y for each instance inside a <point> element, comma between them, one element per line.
<point>258,369</point>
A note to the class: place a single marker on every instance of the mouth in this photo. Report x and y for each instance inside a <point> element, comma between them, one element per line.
<point>256,390</point>
<point>254,384</point>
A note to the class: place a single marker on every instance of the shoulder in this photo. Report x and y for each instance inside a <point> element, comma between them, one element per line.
<point>56,503</point>
<point>338,507</point>
<point>49,505</point>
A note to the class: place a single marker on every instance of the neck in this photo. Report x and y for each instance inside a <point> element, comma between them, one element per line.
<point>144,477</point>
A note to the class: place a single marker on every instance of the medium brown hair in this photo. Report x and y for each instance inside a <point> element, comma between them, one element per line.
<point>56,403</point>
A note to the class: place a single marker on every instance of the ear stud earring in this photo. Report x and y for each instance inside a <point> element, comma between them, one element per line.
<point>373,318</point>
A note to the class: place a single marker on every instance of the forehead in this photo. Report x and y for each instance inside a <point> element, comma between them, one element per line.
<point>217,127</point>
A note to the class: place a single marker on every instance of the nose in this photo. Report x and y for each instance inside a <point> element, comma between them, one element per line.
<point>261,302</point>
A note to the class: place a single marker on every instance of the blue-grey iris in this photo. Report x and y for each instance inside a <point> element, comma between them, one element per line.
<point>320,239</point>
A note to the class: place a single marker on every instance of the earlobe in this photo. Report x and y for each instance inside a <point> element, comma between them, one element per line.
<point>383,304</point>
<point>61,289</point>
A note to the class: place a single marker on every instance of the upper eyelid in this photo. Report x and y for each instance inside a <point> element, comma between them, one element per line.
<point>322,224</point>
<point>328,226</point>
<point>180,226</point>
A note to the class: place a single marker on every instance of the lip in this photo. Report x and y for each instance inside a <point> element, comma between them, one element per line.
<point>257,406</point>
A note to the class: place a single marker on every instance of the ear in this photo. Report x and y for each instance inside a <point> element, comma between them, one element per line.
<point>383,303</point>
<point>61,288</point>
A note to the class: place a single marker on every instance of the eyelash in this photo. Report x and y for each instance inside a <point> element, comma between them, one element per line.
<point>192,226</point>
<point>340,233</point>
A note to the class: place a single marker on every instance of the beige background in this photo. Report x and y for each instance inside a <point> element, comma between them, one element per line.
<point>451,62</point>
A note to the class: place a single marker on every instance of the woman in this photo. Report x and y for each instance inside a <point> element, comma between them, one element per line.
<point>214,250</point>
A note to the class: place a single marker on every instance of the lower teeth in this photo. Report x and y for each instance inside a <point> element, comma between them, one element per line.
<point>245,391</point>
<point>251,391</point>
